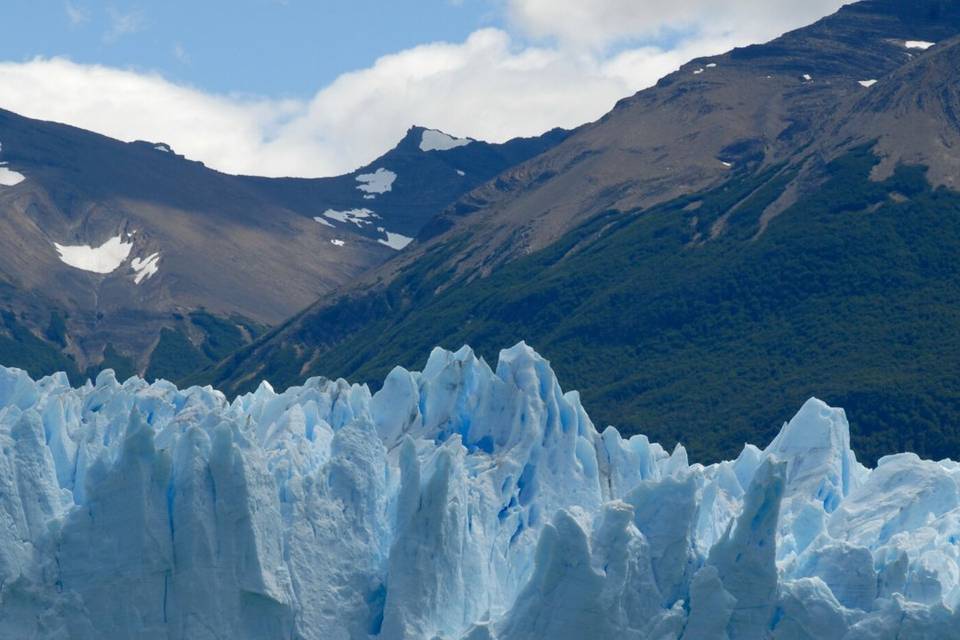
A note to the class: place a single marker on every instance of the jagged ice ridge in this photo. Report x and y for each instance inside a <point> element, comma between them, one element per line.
<point>454,503</point>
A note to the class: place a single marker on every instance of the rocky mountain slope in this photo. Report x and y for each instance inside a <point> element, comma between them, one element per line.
<point>133,257</point>
<point>773,223</point>
<point>754,106</point>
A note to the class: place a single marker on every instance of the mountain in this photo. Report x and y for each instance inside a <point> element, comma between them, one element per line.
<point>773,223</point>
<point>130,256</point>
<point>458,502</point>
<point>757,105</point>
<point>427,171</point>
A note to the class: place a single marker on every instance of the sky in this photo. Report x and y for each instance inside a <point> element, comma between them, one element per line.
<point>319,87</point>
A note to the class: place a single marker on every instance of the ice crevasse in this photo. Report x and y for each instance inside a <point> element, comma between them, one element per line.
<point>459,503</point>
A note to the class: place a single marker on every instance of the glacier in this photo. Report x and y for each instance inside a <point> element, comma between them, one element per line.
<point>460,502</point>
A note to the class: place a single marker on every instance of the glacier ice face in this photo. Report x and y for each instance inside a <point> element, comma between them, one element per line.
<point>459,503</point>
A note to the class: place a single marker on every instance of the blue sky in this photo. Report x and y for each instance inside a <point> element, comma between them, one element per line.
<point>313,88</point>
<point>273,47</point>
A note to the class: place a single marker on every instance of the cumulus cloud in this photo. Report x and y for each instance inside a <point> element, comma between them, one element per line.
<point>481,88</point>
<point>492,86</point>
<point>600,23</point>
<point>222,131</point>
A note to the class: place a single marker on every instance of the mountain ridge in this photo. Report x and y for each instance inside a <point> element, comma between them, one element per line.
<point>460,286</point>
<point>205,242</point>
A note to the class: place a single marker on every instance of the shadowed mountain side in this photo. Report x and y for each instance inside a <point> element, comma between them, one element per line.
<point>249,252</point>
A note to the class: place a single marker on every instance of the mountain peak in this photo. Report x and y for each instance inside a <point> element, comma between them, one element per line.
<point>425,139</point>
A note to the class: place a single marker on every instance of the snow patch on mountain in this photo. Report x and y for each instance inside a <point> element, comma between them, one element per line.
<point>394,240</point>
<point>146,268</point>
<point>337,242</point>
<point>380,181</point>
<point>103,259</point>
<point>9,177</point>
<point>433,140</point>
<point>460,502</point>
<point>358,217</point>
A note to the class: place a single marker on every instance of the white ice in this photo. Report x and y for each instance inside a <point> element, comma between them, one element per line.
<point>323,221</point>
<point>103,259</point>
<point>918,44</point>
<point>433,140</point>
<point>337,242</point>
<point>461,502</point>
<point>867,83</point>
<point>380,181</point>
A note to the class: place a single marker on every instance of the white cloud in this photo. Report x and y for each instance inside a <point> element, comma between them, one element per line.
<point>123,24</point>
<point>479,88</point>
<point>76,14</point>
<point>225,132</point>
<point>180,53</point>
<point>600,23</point>
<point>491,86</point>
